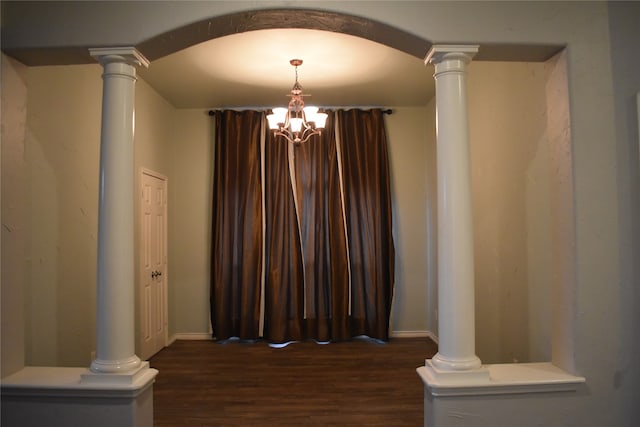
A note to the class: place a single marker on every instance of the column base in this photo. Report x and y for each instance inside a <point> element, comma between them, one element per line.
<point>128,378</point>
<point>436,378</point>
<point>100,366</point>
<point>446,364</point>
<point>512,378</point>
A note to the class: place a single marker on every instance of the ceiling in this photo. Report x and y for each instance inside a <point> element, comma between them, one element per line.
<point>252,69</point>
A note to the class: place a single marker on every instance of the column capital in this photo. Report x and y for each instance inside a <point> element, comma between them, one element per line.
<point>128,55</point>
<point>439,53</point>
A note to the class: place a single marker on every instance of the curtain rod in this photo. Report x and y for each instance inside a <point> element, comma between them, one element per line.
<point>387,111</point>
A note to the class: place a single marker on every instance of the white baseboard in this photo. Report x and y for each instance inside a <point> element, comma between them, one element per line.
<point>408,334</point>
<point>415,334</point>
<point>394,334</point>
<point>193,336</point>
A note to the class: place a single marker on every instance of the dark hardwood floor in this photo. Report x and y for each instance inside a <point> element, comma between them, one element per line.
<point>357,383</point>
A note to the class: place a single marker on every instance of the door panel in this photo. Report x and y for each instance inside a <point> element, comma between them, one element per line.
<point>153,265</point>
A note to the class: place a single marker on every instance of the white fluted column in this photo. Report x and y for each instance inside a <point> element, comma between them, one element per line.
<point>456,300</point>
<point>115,351</point>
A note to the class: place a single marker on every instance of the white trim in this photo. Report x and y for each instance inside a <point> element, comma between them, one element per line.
<point>128,54</point>
<point>70,382</point>
<point>433,337</point>
<point>409,334</point>
<point>191,336</point>
<point>415,334</point>
<point>154,174</point>
<point>511,378</point>
<point>172,339</point>
<point>439,52</point>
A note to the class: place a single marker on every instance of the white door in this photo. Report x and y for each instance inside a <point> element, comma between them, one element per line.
<point>153,264</point>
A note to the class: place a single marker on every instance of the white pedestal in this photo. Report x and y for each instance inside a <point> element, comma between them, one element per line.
<point>524,394</point>
<point>57,397</point>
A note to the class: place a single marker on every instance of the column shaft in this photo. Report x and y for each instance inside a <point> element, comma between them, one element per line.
<point>115,351</point>
<point>456,300</point>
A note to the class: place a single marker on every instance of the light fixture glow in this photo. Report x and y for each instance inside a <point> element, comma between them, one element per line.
<point>296,123</point>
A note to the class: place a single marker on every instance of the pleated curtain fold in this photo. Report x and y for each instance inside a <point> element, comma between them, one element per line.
<point>236,260</point>
<point>302,245</point>
<point>365,166</point>
<point>284,275</point>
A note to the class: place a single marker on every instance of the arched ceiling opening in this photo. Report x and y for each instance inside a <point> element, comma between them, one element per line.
<point>243,60</point>
<point>251,69</point>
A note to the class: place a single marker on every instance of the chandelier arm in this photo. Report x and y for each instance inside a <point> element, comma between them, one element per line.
<point>297,138</point>
<point>309,135</point>
<point>296,129</point>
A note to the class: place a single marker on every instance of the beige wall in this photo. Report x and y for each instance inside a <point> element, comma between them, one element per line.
<point>62,164</point>
<point>511,186</point>
<point>625,64</point>
<point>62,155</point>
<point>190,222</point>
<point>512,234</point>
<point>562,213</point>
<point>13,116</point>
<point>408,163</point>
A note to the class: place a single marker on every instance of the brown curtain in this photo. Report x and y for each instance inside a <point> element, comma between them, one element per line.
<point>365,167</point>
<point>236,261</point>
<point>284,277</point>
<point>322,235</point>
<point>329,268</point>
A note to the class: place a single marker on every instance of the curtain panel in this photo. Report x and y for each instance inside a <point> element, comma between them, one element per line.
<point>236,261</point>
<point>320,210</point>
<point>365,165</point>
<point>316,216</point>
<point>284,276</point>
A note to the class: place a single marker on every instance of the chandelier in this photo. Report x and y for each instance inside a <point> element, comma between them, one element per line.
<point>296,123</point>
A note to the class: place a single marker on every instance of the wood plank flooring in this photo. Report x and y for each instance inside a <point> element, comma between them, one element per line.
<point>356,383</point>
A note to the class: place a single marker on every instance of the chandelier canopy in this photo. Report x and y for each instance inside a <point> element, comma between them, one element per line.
<point>296,123</point>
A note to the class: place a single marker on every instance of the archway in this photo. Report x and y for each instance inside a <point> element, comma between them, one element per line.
<point>220,26</point>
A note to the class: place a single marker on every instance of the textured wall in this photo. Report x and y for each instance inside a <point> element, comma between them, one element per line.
<point>62,157</point>
<point>190,221</point>
<point>512,233</point>
<point>14,221</point>
<point>408,162</point>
